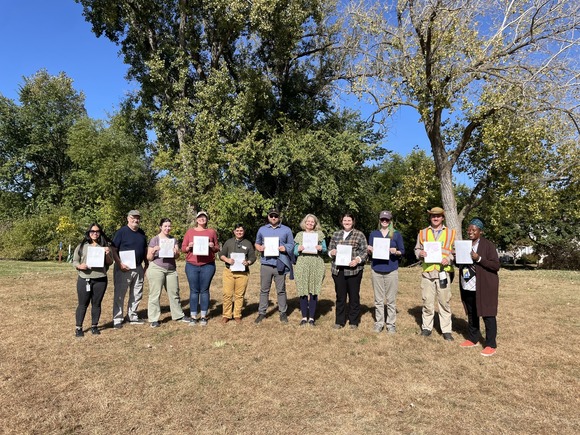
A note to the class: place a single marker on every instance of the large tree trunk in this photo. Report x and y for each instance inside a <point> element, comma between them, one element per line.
<point>452,219</point>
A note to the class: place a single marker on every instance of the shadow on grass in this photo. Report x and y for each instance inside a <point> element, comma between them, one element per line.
<point>458,324</point>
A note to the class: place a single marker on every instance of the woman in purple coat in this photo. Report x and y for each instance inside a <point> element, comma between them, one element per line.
<point>479,286</point>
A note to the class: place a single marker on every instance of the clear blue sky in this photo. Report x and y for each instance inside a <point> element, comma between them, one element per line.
<point>53,34</point>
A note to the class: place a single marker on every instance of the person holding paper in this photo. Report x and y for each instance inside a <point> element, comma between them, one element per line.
<point>386,246</point>
<point>434,277</point>
<point>479,285</point>
<point>130,253</point>
<point>238,254</point>
<point>309,270</point>
<point>162,272</point>
<point>200,265</point>
<point>274,266</point>
<point>92,278</point>
<point>347,273</point>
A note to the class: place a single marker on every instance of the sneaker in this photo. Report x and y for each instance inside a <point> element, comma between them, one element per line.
<point>425,332</point>
<point>118,325</point>
<point>283,317</point>
<point>203,321</point>
<point>155,324</point>
<point>136,321</point>
<point>378,328</point>
<point>79,332</point>
<point>447,336</point>
<point>225,320</point>
<point>468,343</point>
<point>353,326</point>
<point>337,326</point>
<point>192,322</point>
<point>259,318</point>
<point>185,319</point>
<point>391,330</point>
<point>95,330</point>
<point>488,351</point>
<point>311,322</point>
<point>303,322</point>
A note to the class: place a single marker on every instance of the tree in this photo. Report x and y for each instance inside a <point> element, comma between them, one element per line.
<point>239,95</point>
<point>34,138</point>
<point>110,172</point>
<point>482,75</point>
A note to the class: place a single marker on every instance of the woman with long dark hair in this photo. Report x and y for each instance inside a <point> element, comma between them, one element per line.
<point>91,258</point>
<point>347,274</point>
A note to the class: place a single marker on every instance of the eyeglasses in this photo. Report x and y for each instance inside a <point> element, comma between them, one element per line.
<point>273,216</point>
<point>95,231</point>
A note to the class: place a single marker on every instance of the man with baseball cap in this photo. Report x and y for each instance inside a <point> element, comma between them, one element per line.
<point>130,252</point>
<point>436,277</point>
<point>274,268</point>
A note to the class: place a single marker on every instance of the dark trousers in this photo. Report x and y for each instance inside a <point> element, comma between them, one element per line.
<point>308,305</point>
<point>473,332</point>
<point>347,285</point>
<point>94,296</point>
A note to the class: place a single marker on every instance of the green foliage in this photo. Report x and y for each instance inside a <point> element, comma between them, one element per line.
<point>33,138</point>
<point>37,237</point>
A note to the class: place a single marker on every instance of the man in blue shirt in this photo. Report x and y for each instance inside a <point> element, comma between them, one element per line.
<point>130,242</point>
<point>274,267</point>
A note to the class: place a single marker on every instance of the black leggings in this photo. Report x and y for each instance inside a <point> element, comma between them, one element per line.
<point>95,295</point>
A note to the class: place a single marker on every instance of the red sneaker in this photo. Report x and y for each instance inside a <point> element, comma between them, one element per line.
<point>488,351</point>
<point>468,343</point>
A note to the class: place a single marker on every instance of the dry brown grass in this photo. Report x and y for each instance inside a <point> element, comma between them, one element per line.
<point>276,378</point>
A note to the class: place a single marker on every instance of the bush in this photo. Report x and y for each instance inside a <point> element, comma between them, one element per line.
<point>35,237</point>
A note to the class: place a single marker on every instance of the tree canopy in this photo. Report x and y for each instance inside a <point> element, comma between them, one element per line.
<point>494,82</point>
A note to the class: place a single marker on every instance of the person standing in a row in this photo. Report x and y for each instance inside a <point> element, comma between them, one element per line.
<point>236,250</point>
<point>385,272</point>
<point>310,268</point>
<point>92,281</point>
<point>130,252</point>
<point>274,267</point>
<point>162,272</point>
<point>436,277</point>
<point>200,268</point>
<point>347,272</point>
<point>479,286</point>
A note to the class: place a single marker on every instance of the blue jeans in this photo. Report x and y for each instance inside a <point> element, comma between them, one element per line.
<point>199,278</point>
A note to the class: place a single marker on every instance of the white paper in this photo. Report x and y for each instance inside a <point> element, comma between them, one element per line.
<point>309,241</point>
<point>166,247</point>
<point>200,245</point>
<point>343,255</point>
<point>463,252</point>
<point>95,256</point>
<point>381,248</point>
<point>433,250</point>
<point>271,245</point>
<point>128,259</point>
<point>238,257</point>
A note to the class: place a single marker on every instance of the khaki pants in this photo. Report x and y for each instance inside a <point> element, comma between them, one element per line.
<point>127,282</point>
<point>386,287</point>
<point>158,278</point>
<point>430,290</point>
<point>234,287</point>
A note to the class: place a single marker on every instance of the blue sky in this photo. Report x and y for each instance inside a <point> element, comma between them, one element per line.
<point>53,34</point>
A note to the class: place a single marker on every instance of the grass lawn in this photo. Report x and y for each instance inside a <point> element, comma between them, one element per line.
<point>277,378</point>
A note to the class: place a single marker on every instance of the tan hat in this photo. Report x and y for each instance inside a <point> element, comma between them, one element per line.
<point>202,213</point>
<point>134,213</point>
<point>436,210</point>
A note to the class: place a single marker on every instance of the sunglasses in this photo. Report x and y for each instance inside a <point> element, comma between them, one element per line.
<point>273,215</point>
<point>94,231</point>
<point>385,220</point>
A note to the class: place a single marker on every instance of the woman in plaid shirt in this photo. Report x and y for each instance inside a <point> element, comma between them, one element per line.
<point>347,278</point>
